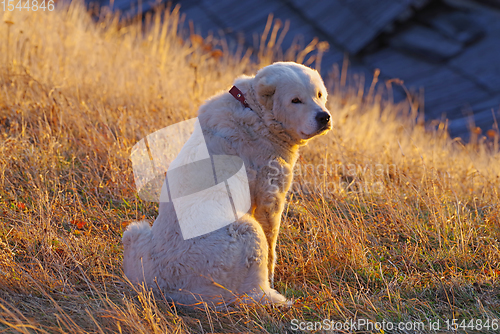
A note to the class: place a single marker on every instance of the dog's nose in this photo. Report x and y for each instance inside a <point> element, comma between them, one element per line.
<point>322,118</point>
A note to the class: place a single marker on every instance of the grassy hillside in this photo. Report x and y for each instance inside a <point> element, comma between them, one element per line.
<point>384,223</point>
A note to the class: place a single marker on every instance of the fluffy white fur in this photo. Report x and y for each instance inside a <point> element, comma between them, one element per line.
<point>236,261</point>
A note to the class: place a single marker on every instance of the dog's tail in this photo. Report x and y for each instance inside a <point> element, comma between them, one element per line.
<point>137,251</point>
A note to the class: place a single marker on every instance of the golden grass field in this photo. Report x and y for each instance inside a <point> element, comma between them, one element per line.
<point>385,222</point>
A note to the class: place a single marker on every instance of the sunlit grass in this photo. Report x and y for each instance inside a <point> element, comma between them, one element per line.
<point>384,222</point>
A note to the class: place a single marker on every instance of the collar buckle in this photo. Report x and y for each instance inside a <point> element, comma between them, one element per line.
<point>238,95</point>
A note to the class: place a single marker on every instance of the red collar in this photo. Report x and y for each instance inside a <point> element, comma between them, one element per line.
<point>238,95</point>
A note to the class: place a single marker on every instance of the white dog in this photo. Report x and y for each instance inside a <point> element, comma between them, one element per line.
<point>263,123</point>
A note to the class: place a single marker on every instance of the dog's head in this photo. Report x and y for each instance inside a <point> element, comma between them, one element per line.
<point>295,96</point>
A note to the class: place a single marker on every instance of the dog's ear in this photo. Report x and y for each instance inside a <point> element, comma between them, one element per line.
<point>265,89</point>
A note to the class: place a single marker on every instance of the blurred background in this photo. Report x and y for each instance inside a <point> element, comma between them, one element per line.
<point>446,51</point>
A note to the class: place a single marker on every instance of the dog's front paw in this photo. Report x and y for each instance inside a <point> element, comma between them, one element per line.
<point>270,296</point>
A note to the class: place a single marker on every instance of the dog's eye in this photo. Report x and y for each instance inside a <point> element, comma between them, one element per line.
<point>319,95</point>
<point>296,100</point>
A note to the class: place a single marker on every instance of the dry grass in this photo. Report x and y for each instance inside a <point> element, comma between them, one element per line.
<point>385,221</point>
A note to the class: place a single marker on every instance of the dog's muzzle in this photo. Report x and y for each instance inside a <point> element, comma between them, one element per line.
<point>323,120</point>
